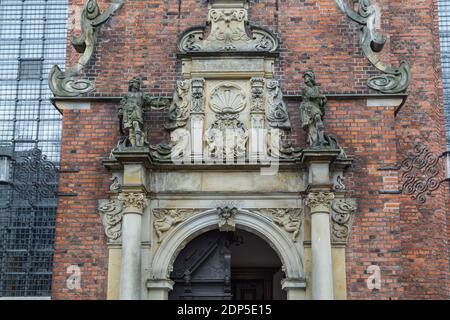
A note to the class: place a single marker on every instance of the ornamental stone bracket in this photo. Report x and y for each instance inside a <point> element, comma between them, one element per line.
<point>111,214</point>
<point>367,15</point>
<point>341,220</point>
<point>112,211</point>
<point>68,84</point>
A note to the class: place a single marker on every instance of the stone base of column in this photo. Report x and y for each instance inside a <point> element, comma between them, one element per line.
<point>159,289</point>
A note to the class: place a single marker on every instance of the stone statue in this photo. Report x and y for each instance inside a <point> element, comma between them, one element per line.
<point>131,113</point>
<point>312,111</point>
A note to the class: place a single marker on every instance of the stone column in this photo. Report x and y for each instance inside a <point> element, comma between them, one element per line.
<point>130,270</point>
<point>197,137</point>
<point>322,264</point>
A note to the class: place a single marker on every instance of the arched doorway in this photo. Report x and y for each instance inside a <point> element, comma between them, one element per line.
<point>227,265</point>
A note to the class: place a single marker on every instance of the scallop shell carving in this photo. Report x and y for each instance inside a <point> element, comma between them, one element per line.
<point>227,98</point>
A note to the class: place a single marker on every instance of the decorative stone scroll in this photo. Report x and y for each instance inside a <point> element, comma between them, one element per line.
<point>228,32</point>
<point>393,80</point>
<point>67,84</point>
<point>277,115</point>
<point>111,214</point>
<point>341,220</point>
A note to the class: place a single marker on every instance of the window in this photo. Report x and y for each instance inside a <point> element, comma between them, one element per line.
<point>32,40</point>
<point>444,28</point>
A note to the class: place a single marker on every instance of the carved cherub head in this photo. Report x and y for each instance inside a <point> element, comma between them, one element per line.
<point>134,85</point>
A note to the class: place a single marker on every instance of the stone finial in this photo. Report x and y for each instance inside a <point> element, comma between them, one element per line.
<point>319,201</point>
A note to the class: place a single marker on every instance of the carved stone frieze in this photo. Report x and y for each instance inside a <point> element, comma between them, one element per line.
<point>228,32</point>
<point>181,144</point>
<point>226,218</point>
<point>341,219</point>
<point>111,214</point>
<point>319,201</point>
<point>68,84</point>
<point>276,113</point>
<point>165,219</point>
<point>393,79</point>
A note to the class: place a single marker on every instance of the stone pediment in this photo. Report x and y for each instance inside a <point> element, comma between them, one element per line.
<point>228,31</point>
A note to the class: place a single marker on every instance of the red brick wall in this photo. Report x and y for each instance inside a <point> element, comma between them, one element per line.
<point>408,240</point>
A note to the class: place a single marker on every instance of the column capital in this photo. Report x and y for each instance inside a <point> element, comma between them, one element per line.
<point>319,201</point>
<point>133,202</point>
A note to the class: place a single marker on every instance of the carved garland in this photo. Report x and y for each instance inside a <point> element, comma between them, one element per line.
<point>393,80</point>
<point>67,84</point>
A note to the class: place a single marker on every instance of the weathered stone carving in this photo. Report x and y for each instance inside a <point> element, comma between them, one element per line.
<point>341,220</point>
<point>67,84</point>
<point>228,32</point>
<point>198,95</point>
<point>227,98</point>
<point>161,151</point>
<point>165,219</point>
<point>393,80</point>
<point>289,219</point>
<point>226,218</point>
<point>226,137</point>
<point>312,111</point>
<point>115,185</point>
<point>179,109</point>
<point>277,115</point>
<point>111,214</point>
<point>277,147</point>
<point>257,98</point>
<point>339,184</point>
<point>131,114</point>
<point>181,139</point>
<point>133,201</point>
<point>319,201</point>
